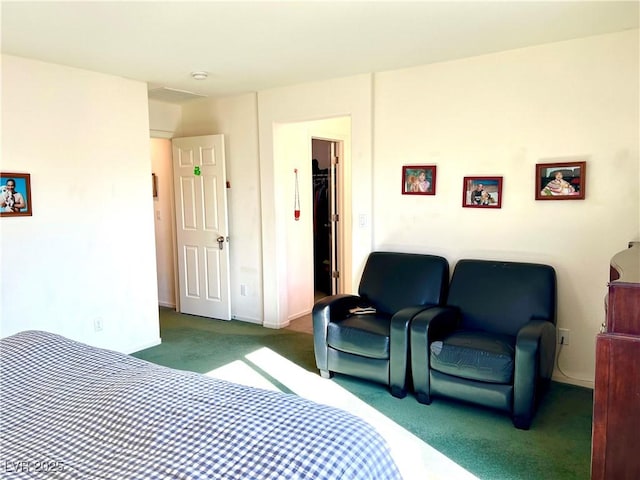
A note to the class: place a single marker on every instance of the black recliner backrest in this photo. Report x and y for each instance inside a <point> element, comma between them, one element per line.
<point>391,281</point>
<point>500,297</point>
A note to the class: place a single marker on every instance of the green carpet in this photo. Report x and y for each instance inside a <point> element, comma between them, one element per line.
<point>558,445</point>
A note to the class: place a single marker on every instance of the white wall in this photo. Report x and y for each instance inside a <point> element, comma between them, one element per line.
<point>88,250</point>
<point>499,115</point>
<point>236,118</point>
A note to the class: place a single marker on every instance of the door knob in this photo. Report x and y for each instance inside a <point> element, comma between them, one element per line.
<point>220,241</point>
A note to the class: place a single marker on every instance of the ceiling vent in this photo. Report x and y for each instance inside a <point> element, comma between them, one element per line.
<point>166,94</point>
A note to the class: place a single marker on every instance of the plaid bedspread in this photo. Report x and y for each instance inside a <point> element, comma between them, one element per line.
<point>71,411</point>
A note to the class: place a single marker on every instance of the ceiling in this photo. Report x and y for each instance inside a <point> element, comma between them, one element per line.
<point>252,46</point>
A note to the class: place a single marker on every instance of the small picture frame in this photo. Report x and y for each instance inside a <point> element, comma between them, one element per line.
<point>419,180</point>
<point>15,194</point>
<point>561,180</point>
<point>154,185</point>
<point>482,192</point>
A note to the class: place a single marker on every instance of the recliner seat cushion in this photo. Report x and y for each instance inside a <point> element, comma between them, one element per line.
<point>365,335</point>
<point>475,356</point>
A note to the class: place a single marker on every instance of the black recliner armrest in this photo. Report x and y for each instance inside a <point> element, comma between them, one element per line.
<point>535,355</point>
<point>331,308</point>
<point>399,349</point>
<point>430,324</point>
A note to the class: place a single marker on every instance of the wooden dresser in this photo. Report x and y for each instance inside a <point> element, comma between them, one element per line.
<point>616,408</point>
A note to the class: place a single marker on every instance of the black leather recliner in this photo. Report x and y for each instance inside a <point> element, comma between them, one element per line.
<point>494,342</point>
<point>374,346</point>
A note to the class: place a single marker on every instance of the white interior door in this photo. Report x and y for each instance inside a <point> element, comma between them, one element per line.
<point>201,226</point>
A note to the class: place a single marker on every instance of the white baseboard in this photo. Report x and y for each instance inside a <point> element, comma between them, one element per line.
<point>246,319</point>
<point>572,381</point>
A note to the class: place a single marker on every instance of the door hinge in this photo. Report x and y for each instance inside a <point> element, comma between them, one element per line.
<point>335,217</point>
<point>335,274</point>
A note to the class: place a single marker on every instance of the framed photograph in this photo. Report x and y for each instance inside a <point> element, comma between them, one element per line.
<point>15,194</point>
<point>419,180</point>
<point>154,185</point>
<point>561,180</point>
<point>482,192</point>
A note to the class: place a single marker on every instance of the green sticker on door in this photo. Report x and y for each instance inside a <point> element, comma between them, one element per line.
<point>196,170</point>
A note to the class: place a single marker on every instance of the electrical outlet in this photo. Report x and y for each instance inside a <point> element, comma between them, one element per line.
<point>563,336</point>
<point>98,324</point>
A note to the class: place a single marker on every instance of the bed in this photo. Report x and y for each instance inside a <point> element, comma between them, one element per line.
<point>72,411</point>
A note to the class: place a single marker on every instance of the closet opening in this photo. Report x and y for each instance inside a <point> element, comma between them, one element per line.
<point>325,217</point>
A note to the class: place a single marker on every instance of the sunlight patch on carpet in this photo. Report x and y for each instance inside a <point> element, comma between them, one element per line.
<point>239,372</point>
<point>415,458</point>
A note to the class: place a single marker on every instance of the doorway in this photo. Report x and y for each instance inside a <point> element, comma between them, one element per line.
<point>325,190</point>
<point>164,221</point>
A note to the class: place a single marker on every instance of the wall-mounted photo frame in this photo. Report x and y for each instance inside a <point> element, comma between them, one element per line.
<point>419,180</point>
<point>154,185</point>
<point>482,192</point>
<point>561,180</point>
<point>15,194</point>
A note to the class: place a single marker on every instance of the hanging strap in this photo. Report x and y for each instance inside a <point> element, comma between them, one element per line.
<point>296,199</point>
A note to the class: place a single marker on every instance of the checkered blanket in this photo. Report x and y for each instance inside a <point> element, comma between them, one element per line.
<point>72,411</point>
